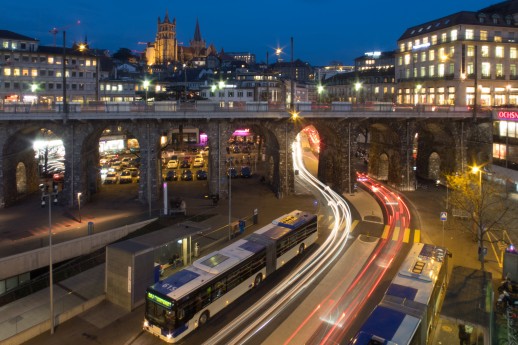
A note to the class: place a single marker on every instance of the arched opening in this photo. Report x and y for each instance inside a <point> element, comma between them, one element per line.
<point>434,166</point>
<point>21,178</point>
<point>383,168</point>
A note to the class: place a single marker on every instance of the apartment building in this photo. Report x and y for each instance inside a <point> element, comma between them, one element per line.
<point>462,59</point>
<point>35,74</point>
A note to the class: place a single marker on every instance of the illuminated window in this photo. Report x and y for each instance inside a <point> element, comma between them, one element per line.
<point>499,150</point>
<point>59,74</point>
<point>425,40</point>
<point>483,35</point>
<point>512,70</point>
<point>484,51</point>
<point>499,52</point>
<point>409,46</point>
<point>34,73</point>
<point>499,70</point>
<point>423,56</point>
<point>444,37</point>
<point>470,34</point>
<point>452,51</point>
<point>453,35</point>
<point>423,71</point>
<point>470,51</point>
<point>434,39</point>
<point>469,68</point>
<point>440,70</point>
<point>407,59</point>
<point>5,44</point>
<point>400,61</point>
<point>431,55</point>
<point>417,42</point>
<point>512,53</point>
<point>431,71</point>
<point>25,72</point>
<point>16,72</point>
<point>486,69</point>
<point>119,87</point>
<point>14,45</point>
<point>88,62</point>
<point>451,69</point>
<point>50,60</point>
<point>7,71</point>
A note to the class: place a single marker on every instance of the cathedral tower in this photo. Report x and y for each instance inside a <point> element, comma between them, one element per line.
<point>166,44</point>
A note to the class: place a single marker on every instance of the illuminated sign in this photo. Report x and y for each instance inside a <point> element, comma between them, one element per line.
<point>373,54</point>
<point>241,132</point>
<point>159,300</point>
<point>419,46</point>
<point>508,115</point>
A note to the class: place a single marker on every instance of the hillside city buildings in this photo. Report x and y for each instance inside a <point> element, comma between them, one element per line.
<point>466,60</point>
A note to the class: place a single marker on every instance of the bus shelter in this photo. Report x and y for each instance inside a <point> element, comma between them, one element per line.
<point>135,264</point>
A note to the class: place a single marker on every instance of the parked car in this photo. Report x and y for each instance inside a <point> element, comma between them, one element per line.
<point>246,172</point>
<point>185,164</point>
<point>171,176</point>
<point>126,177</point>
<point>134,171</point>
<point>187,175</point>
<point>172,164</point>
<point>198,162</point>
<point>232,172</point>
<point>111,178</point>
<point>116,166</point>
<point>201,175</point>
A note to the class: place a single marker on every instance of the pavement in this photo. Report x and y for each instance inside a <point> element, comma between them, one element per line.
<point>84,293</point>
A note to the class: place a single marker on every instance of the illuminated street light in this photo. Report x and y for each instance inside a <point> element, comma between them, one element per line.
<point>320,90</point>
<point>357,87</point>
<point>52,199</point>
<point>146,87</point>
<point>79,205</point>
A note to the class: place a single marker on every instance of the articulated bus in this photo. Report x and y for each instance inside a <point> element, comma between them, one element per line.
<point>410,307</point>
<point>187,299</point>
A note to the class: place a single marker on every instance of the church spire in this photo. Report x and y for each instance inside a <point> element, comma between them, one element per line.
<point>166,18</point>
<point>197,34</point>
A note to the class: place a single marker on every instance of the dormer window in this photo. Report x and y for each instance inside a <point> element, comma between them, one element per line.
<point>481,17</point>
<point>495,18</point>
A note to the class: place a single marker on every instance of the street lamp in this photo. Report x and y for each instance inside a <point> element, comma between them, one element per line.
<point>146,87</point>
<point>79,205</point>
<point>320,90</point>
<point>357,87</point>
<point>52,199</point>
<point>477,170</point>
<point>229,161</point>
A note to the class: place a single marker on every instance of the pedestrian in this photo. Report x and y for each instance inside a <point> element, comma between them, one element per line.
<point>463,335</point>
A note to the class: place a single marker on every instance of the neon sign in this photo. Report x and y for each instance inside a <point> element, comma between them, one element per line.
<point>508,115</point>
<point>159,300</point>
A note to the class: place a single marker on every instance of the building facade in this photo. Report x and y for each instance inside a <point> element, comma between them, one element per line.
<point>32,73</point>
<point>463,59</point>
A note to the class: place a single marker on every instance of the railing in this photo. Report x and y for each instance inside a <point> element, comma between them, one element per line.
<point>175,107</point>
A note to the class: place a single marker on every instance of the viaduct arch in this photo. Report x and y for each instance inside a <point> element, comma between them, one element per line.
<point>399,150</point>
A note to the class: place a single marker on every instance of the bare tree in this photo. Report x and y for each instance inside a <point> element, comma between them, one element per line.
<point>485,203</point>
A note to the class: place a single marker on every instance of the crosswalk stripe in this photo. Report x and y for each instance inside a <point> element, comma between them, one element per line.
<point>406,235</point>
<point>385,232</point>
<point>417,236</point>
<point>395,235</point>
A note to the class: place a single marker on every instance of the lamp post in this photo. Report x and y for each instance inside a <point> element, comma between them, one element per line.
<point>229,161</point>
<point>477,170</point>
<point>320,90</point>
<point>52,198</point>
<point>357,87</point>
<point>146,87</point>
<point>185,82</point>
<point>79,205</point>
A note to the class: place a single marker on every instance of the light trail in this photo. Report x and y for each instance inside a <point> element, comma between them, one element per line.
<point>249,323</point>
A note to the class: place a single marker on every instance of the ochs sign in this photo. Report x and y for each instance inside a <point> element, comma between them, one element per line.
<point>508,115</point>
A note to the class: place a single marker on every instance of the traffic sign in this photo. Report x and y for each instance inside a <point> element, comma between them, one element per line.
<point>444,216</point>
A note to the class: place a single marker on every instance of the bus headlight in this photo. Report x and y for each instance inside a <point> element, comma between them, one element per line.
<point>169,336</point>
<point>146,324</point>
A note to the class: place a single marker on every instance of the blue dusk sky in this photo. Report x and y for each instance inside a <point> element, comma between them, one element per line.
<point>323,30</point>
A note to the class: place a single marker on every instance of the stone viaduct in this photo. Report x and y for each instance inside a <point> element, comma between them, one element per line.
<point>402,145</point>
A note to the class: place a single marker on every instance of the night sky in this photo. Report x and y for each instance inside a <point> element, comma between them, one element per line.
<point>323,30</point>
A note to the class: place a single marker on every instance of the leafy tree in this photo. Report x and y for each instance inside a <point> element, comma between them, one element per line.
<point>123,54</point>
<point>486,205</point>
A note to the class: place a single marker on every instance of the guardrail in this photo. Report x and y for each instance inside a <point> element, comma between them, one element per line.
<point>201,109</point>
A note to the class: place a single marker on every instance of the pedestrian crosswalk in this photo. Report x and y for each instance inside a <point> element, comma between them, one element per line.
<point>403,235</point>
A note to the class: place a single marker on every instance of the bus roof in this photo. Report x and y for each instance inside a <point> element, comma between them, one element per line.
<point>387,326</point>
<point>418,274</point>
<point>206,268</point>
<point>294,219</point>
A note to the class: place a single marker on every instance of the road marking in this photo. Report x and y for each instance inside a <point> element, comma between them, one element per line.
<point>417,236</point>
<point>385,232</point>
<point>406,235</point>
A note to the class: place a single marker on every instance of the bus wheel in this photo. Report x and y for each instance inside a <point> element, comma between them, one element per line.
<point>302,248</point>
<point>203,318</point>
<point>258,279</point>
